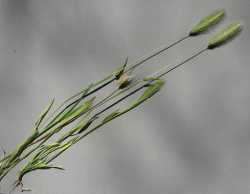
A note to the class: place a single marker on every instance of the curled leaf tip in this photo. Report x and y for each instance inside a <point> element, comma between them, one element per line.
<point>207,22</point>
<point>225,35</point>
<point>121,70</point>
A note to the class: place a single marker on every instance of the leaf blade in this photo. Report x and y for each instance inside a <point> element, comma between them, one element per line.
<point>44,114</point>
<point>111,116</point>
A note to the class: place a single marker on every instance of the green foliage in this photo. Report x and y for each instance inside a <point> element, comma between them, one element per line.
<point>111,116</point>
<point>44,114</point>
<point>78,116</point>
<point>152,88</point>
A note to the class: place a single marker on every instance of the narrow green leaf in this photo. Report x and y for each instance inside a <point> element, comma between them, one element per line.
<point>224,35</point>
<point>63,148</point>
<point>48,167</point>
<point>43,114</point>
<point>81,124</point>
<point>39,165</point>
<point>77,111</point>
<point>207,22</point>
<point>65,112</point>
<point>111,116</point>
<point>85,126</point>
<point>80,109</point>
<point>45,150</point>
<point>151,90</point>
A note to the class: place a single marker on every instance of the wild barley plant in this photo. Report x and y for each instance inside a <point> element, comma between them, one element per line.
<point>84,113</point>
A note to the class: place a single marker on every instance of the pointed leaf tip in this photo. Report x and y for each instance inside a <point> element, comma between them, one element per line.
<point>152,89</point>
<point>121,70</point>
<point>224,35</point>
<point>111,116</point>
<point>44,113</point>
<point>207,22</point>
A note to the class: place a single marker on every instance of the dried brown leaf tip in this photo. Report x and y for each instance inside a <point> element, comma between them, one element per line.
<point>123,79</point>
<point>121,70</point>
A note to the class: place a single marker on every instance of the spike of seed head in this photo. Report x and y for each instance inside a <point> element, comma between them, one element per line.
<point>224,35</point>
<point>207,22</point>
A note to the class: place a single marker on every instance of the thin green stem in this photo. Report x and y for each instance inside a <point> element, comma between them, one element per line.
<point>131,67</point>
<point>99,85</point>
<point>123,98</point>
<point>154,54</point>
<point>182,63</point>
<point>112,96</point>
<point>48,136</point>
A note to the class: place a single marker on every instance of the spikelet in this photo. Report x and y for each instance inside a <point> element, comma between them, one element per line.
<point>224,35</point>
<point>207,22</point>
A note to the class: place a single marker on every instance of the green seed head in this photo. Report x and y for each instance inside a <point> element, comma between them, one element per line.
<point>224,35</point>
<point>207,22</point>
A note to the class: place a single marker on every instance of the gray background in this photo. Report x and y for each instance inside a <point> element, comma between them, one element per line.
<point>192,138</point>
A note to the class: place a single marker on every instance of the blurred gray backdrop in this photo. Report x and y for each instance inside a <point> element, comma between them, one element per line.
<point>192,138</point>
